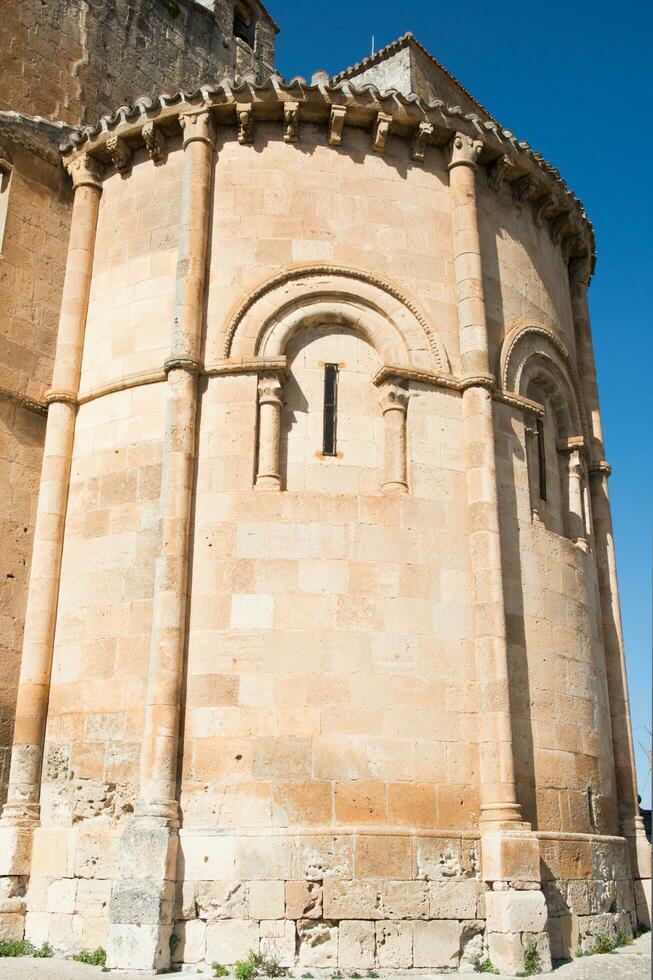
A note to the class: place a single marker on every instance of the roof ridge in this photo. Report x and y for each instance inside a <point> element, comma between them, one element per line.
<point>396,45</point>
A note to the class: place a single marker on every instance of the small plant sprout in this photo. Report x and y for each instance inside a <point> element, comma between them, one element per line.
<point>219,970</point>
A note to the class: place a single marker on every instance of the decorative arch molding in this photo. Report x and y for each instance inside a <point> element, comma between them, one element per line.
<point>534,353</point>
<point>391,322</point>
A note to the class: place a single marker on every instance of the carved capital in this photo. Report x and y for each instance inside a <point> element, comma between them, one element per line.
<point>60,395</point>
<point>337,124</point>
<point>197,128</point>
<point>86,171</point>
<point>155,141</point>
<point>245,124</point>
<point>394,399</point>
<point>498,171</point>
<point>120,152</point>
<point>465,151</point>
<point>291,122</point>
<point>270,390</point>
<point>571,244</point>
<point>183,364</point>
<point>580,269</point>
<point>381,131</point>
<point>421,140</point>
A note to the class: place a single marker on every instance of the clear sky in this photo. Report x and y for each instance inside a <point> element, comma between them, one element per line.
<point>571,78</point>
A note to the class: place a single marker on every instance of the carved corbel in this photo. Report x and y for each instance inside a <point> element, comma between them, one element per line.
<point>525,188</point>
<point>381,131</point>
<point>155,142</point>
<point>337,124</point>
<point>421,140</point>
<point>291,122</point>
<point>86,171</point>
<point>245,124</point>
<point>571,243</point>
<point>121,154</point>
<point>465,151</point>
<point>498,172</point>
<point>580,269</point>
<point>197,128</point>
<point>558,226</point>
<point>543,208</point>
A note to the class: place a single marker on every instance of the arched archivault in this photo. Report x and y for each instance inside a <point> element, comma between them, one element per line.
<point>392,324</point>
<point>534,353</point>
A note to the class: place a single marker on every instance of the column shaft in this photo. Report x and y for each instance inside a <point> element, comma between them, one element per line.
<point>41,613</point>
<point>622,738</point>
<point>269,433</point>
<point>498,792</point>
<point>161,737</point>
<point>394,404</point>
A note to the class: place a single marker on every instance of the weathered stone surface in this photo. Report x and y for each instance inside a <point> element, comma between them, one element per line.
<point>278,941</point>
<point>303,900</point>
<point>515,911</point>
<point>230,940</point>
<point>318,943</point>
<point>453,899</point>
<point>267,899</point>
<point>394,944</point>
<point>356,943</point>
<point>222,900</point>
<point>436,944</point>
<point>191,945</point>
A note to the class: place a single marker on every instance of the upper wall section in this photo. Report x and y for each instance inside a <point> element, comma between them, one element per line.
<point>76,59</point>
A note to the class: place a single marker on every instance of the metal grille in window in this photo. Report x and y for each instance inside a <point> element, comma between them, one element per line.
<point>330,409</point>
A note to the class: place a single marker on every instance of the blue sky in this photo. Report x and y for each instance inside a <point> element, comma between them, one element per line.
<point>571,79</point>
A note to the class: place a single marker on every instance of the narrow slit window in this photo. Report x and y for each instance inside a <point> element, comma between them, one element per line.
<point>330,409</point>
<point>541,458</point>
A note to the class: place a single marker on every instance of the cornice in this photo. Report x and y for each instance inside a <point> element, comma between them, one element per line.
<point>238,106</point>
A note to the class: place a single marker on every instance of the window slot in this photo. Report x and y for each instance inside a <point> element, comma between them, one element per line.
<point>330,409</point>
<point>541,457</point>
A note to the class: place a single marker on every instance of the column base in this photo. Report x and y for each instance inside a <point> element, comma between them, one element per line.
<point>268,482</point>
<point>394,487</point>
<point>142,904</point>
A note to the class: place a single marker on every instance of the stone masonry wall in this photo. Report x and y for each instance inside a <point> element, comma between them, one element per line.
<point>75,60</point>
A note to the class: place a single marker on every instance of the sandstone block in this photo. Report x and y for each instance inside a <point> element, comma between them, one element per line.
<point>445,858</point>
<point>323,856</point>
<point>222,900</point>
<point>505,950</point>
<point>405,900</point>
<point>436,944</point>
<point>230,940</point>
<point>452,899</point>
<point>191,947</point>
<point>279,941</point>
<point>356,943</point>
<point>208,858</point>
<point>95,929</point>
<point>12,925</point>
<point>303,900</point>
<point>96,855</point>
<point>37,927</point>
<point>134,947</point>
<point>266,899</point>
<point>92,896</point>
<point>642,888</point>
<point>515,911</point>
<point>61,896</point>
<point>344,899</point>
<point>261,858</point>
<point>318,943</point>
<point>510,857</point>
<point>185,907</point>
<point>142,902</point>
<point>53,853</point>
<point>471,946</point>
<point>394,944</point>
<point>383,857</point>
<point>15,851</point>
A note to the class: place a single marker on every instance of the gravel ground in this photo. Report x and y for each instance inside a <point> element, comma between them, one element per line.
<point>631,963</point>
